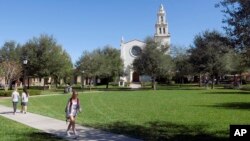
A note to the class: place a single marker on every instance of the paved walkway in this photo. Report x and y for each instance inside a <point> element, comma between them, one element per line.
<point>58,127</point>
<point>135,85</point>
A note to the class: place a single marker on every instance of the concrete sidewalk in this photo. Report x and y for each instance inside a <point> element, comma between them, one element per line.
<point>135,85</point>
<point>58,127</point>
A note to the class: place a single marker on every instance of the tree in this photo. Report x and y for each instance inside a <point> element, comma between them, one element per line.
<point>104,63</point>
<point>46,58</point>
<point>237,18</point>
<point>10,51</point>
<point>60,65</point>
<point>111,64</point>
<point>153,61</point>
<point>11,70</point>
<point>182,65</point>
<point>10,55</point>
<point>89,64</point>
<point>210,54</point>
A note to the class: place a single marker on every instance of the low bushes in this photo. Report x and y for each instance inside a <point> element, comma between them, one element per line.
<point>246,88</point>
<point>5,93</point>
<point>31,92</point>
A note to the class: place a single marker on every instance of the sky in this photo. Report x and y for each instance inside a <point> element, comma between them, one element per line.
<point>80,25</point>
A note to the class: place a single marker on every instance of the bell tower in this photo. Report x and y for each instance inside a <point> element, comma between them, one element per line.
<point>161,28</point>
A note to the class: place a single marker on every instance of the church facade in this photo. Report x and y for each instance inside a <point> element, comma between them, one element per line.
<point>132,49</point>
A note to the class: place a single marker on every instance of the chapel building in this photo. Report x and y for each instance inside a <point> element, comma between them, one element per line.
<point>131,49</point>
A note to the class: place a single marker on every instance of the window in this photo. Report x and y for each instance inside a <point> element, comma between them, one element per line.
<point>136,51</point>
<point>160,30</point>
<point>164,31</point>
<point>161,18</point>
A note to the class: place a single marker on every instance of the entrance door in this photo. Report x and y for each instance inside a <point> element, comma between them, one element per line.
<point>136,77</point>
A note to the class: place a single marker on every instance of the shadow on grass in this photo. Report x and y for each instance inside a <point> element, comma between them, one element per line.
<point>239,92</point>
<point>234,105</point>
<point>159,131</point>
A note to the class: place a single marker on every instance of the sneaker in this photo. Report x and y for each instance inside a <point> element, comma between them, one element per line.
<point>68,134</point>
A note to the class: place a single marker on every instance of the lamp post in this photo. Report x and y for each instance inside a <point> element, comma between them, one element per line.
<point>25,62</point>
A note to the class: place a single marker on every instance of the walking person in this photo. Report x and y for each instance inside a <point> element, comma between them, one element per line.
<point>15,97</point>
<point>72,109</point>
<point>25,99</point>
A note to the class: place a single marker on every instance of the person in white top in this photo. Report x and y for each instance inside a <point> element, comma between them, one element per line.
<point>15,97</point>
<point>72,108</point>
<point>25,99</point>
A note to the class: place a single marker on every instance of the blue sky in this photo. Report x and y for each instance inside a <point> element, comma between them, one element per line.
<point>80,25</point>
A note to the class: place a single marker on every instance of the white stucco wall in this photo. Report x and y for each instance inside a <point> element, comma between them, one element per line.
<point>128,58</point>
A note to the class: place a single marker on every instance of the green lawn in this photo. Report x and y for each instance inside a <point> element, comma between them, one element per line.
<point>193,114</point>
<point>13,131</point>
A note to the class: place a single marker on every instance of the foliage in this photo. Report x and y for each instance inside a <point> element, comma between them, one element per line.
<point>211,53</point>
<point>153,61</point>
<point>88,65</point>
<point>182,65</point>
<point>10,51</point>
<point>5,93</point>
<point>31,92</point>
<point>46,58</point>
<point>104,63</point>
<point>237,18</point>
<point>11,70</point>
<point>111,65</point>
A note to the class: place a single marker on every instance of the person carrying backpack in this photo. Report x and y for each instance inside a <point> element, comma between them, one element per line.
<point>72,109</point>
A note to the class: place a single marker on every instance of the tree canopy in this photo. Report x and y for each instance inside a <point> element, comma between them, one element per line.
<point>153,61</point>
<point>211,54</point>
<point>237,18</point>
<point>46,58</point>
<point>103,63</point>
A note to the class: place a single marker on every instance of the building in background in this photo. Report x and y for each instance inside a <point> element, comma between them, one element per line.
<point>131,49</point>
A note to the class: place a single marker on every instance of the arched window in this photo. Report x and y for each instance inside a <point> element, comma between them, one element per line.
<point>161,18</point>
<point>160,30</point>
<point>164,31</point>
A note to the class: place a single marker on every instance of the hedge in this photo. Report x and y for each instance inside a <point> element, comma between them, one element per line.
<point>31,92</point>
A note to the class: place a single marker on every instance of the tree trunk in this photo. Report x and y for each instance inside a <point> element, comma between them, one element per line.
<point>10,85</point>
<point>6,87</point>
<point>44,84</point>
<point>200,80</point>
<point>28,82</point>
<point>107,84</point>
<point>90,84</point>
<point>212,87</point>
<point>56,81</point>
<point>154,83</point>
<point>240,78</point>
<point>181,81</point>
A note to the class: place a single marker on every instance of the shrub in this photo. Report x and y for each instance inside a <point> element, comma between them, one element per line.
<point>35,92</point>
<point>5,93</point>
<point>246,88</point>
<point>39,87</point>
<point>31,92</point>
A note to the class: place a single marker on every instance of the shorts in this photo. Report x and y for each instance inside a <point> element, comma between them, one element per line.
<point>24,103</point>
